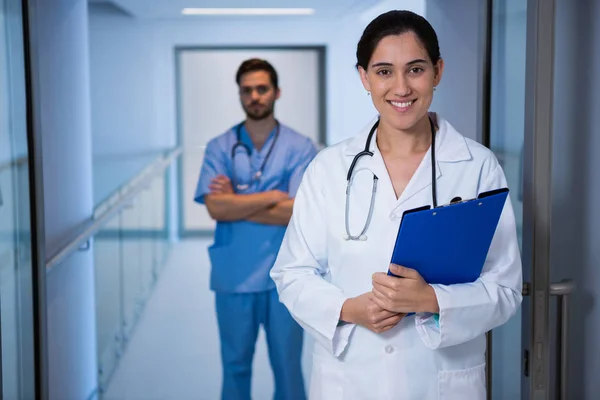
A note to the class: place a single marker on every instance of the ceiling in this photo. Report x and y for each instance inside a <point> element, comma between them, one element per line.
<point>168,9</point>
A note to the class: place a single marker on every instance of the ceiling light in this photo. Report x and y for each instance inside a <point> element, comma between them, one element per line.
<point>248,11</point>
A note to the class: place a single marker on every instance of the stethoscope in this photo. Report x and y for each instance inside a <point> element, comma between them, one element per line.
<point>258,174</point>
<point>366,152</point>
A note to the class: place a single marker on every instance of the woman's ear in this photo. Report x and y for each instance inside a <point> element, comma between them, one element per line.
<point>438,71</point>
<point>364,78</point>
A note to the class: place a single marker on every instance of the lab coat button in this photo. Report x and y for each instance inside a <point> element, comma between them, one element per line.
<point>389,349</point>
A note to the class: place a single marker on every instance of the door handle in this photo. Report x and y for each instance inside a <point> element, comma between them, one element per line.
<point>562,290</point>
<point>1,198</point>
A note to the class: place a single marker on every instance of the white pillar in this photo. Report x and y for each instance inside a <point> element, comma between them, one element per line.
<point>60,70</point>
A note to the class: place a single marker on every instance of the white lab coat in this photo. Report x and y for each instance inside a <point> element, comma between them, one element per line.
<point>317,270</point>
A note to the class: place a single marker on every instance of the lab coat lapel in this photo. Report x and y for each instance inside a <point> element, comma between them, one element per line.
<point>450,147</point>
<point>420,181</point>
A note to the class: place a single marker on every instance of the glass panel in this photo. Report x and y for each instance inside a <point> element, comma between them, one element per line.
<point>146,243</point>
<point>160,196</point>
<point>115,171</point>
<point>16,289</point>
<point>506,140</point>
<point>130,252</point>
<point>109,314</point>
<point>131,265</point>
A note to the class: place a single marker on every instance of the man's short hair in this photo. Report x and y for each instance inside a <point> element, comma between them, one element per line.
<point>256,64</point>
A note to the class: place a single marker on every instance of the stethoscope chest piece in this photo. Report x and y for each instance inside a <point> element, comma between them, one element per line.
<point>361,238</point>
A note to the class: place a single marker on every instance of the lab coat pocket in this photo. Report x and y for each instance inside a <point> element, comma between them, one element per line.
<point>462,384</point>
<point>326,379</point>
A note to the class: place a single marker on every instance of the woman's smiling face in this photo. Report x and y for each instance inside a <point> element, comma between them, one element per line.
<point>401,79</point>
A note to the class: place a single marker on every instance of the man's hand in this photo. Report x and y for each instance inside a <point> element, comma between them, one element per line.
<point>277,196</point>
<point>362,310</point>
<point>410,293</point>
<point>221,185</point>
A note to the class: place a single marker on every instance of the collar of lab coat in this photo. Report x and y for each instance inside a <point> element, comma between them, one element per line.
<point>450,145</point>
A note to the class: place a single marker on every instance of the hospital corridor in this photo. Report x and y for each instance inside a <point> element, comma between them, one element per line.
<point>292,200</point>
<point>168,371</point>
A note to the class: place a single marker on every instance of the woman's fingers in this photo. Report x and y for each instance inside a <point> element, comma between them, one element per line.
<point>389,322</point>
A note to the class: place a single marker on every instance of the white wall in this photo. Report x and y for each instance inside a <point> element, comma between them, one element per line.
<point>459,26</point>
<point>61,93</point>
<point>123,98</point>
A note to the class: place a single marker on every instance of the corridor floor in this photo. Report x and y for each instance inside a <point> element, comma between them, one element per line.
<point>174,351</point>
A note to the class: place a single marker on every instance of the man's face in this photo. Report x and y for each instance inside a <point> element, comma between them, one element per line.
<point>257,94</point>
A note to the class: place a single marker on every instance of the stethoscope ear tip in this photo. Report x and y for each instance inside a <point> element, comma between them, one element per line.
<point>346,237</point>
<point>362,238</point>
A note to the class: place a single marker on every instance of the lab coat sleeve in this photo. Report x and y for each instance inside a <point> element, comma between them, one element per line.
<point>301,266</point>
<point>468,311</point>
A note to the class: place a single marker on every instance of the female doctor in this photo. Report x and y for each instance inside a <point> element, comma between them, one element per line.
<point>331,269</point>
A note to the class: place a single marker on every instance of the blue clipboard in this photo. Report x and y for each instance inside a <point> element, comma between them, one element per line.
<point>449,244</point>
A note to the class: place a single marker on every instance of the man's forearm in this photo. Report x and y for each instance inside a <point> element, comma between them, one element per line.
<point>236,207</point>
<point>279,214</point>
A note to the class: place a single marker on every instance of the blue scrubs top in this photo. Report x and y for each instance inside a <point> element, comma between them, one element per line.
<point>244,252</point>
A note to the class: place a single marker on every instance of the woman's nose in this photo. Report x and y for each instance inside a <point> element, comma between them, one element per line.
<point>401,86</point>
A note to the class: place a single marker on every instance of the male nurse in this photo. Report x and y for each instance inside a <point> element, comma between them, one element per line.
<point>248,181</point>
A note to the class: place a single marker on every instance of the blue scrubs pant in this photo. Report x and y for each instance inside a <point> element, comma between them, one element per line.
<point>239,316</point>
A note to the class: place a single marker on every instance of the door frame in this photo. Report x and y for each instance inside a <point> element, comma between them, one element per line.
<point>36,205</point>
<point>537,198</point>
<point>537,194</point>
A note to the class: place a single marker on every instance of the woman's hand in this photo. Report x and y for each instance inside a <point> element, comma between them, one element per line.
<point>407,294</point>
<point>363,311</point>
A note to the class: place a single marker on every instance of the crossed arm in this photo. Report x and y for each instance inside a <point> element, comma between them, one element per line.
<point>271,208</point>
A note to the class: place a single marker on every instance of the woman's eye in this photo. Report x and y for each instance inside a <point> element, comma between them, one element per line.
<point>416,70</point>
<point>384,72</point>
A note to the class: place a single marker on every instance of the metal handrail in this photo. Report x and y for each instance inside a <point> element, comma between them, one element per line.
<point>6,165</point>
<point>12,163</point>
<point>90,227</point>
<point>561,290</point>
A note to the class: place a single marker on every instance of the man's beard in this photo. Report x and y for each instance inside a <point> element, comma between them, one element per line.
<point>260,115</point>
